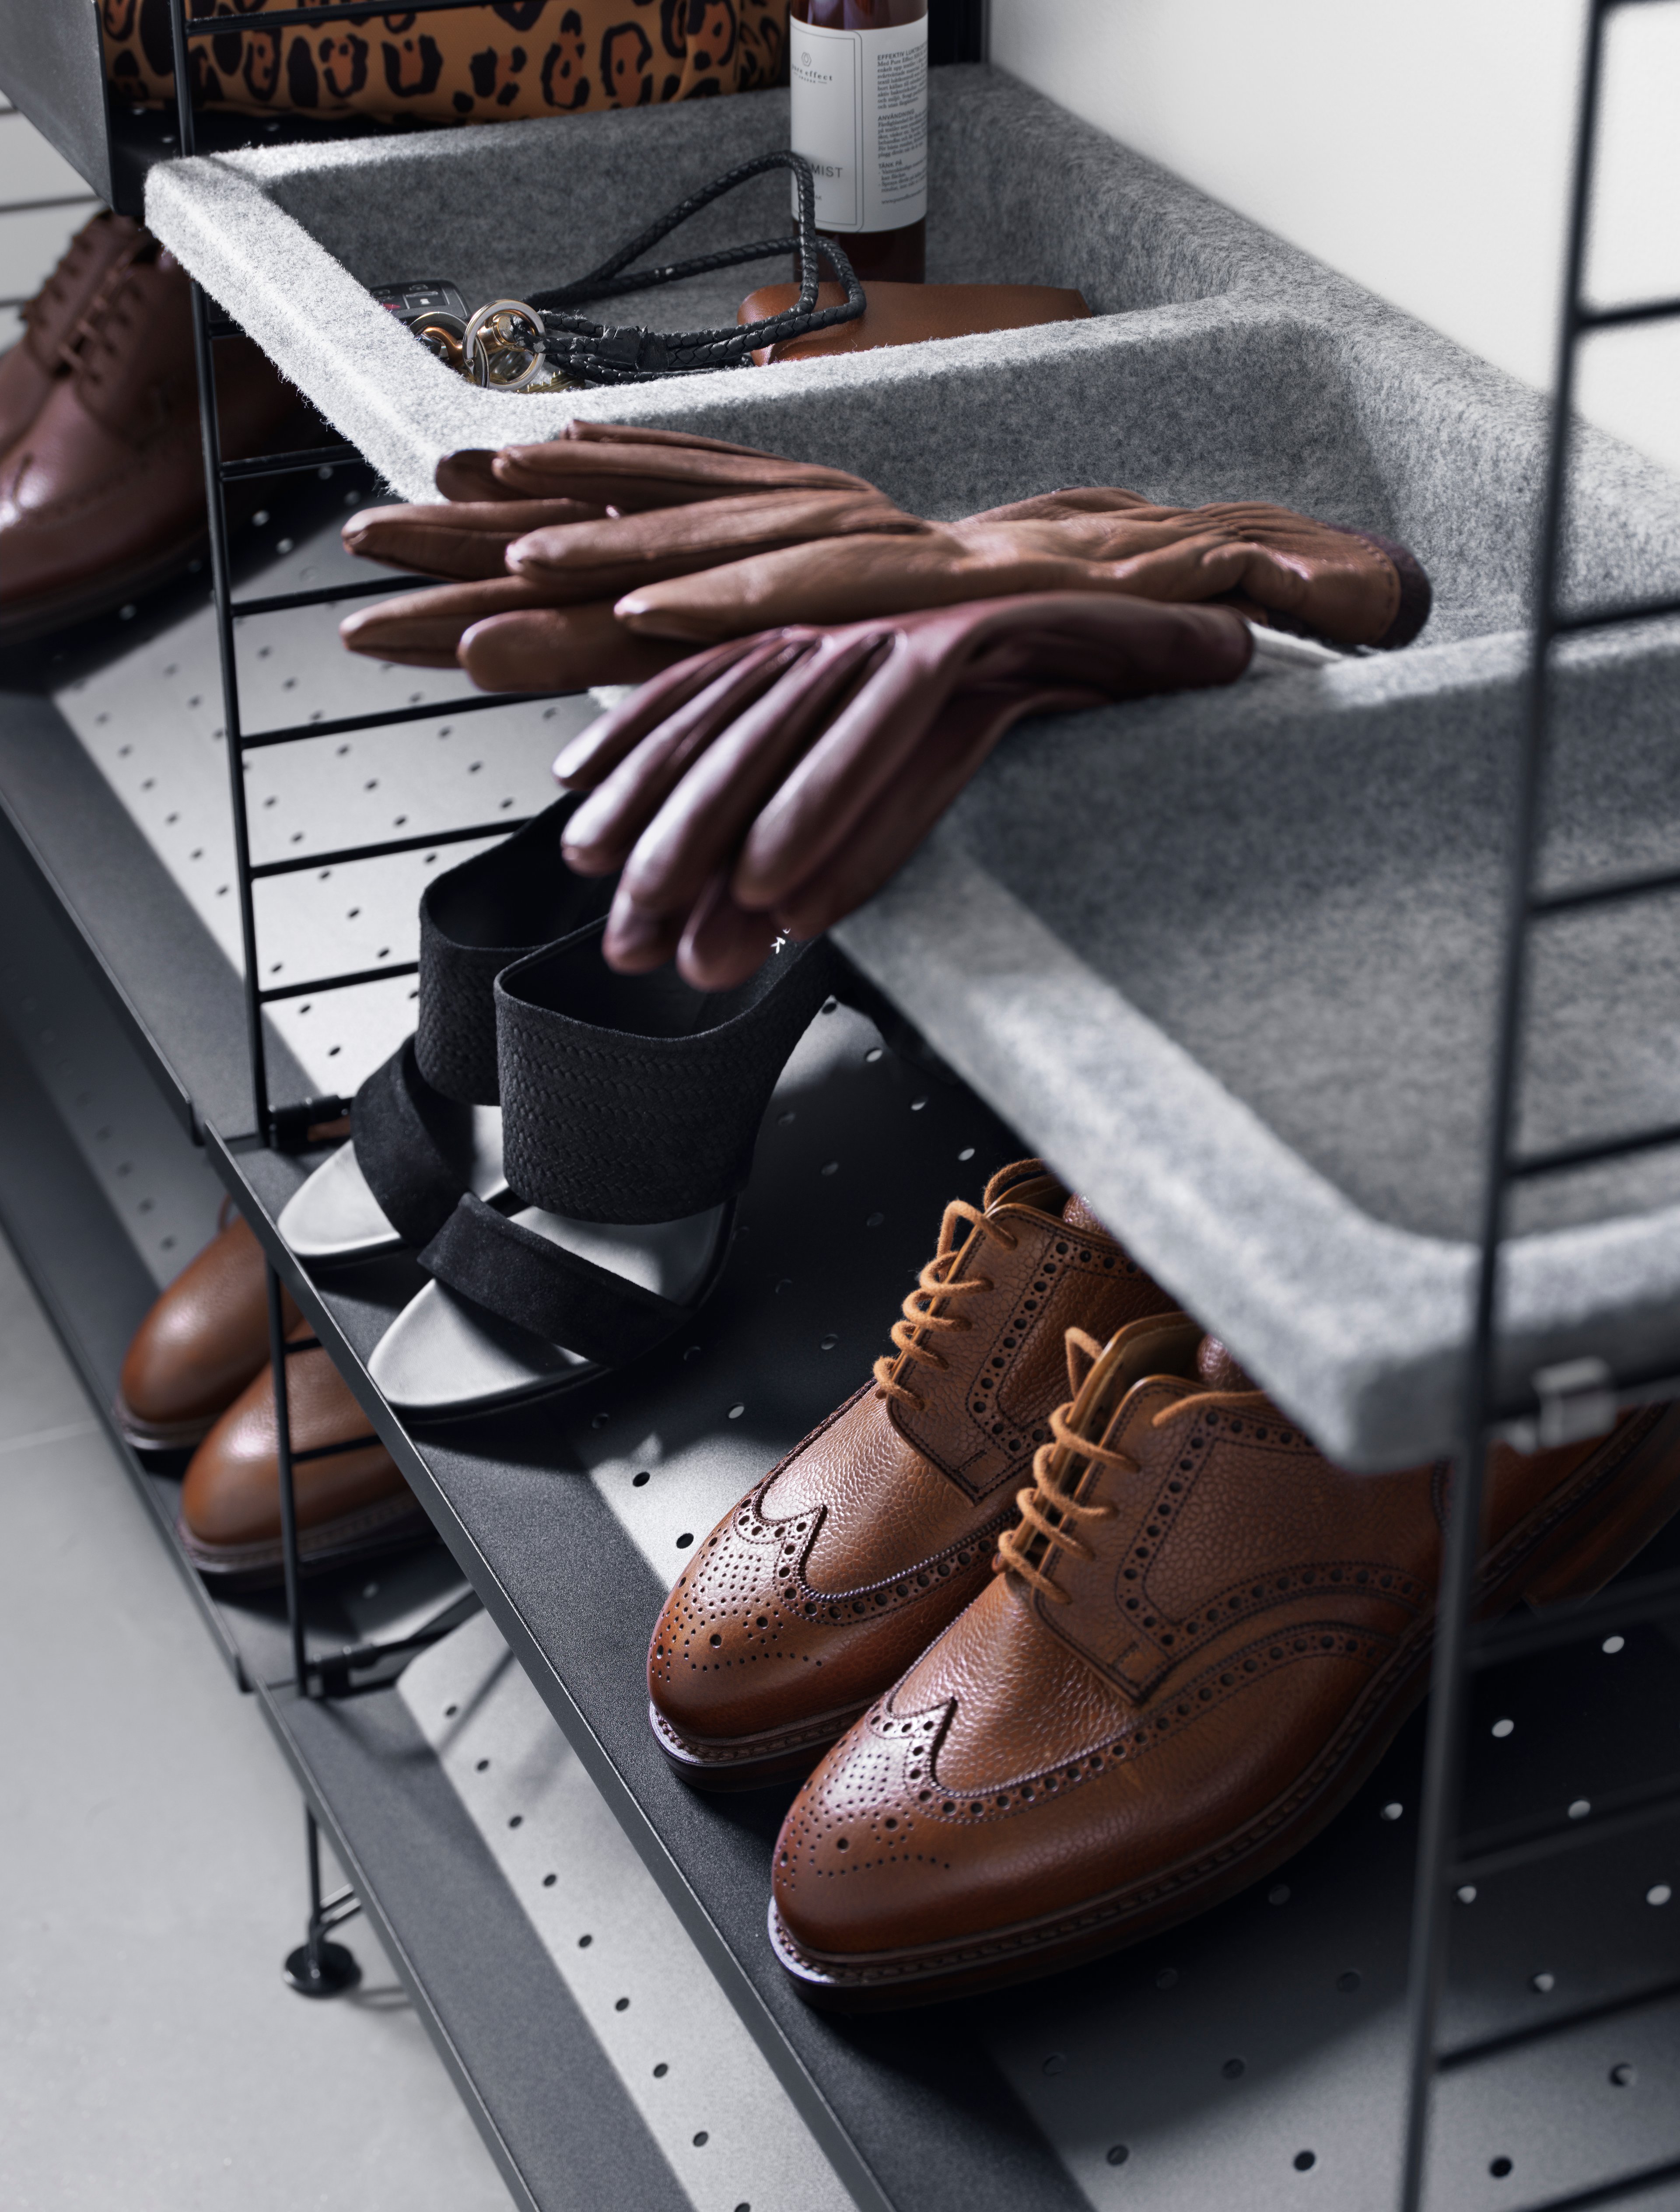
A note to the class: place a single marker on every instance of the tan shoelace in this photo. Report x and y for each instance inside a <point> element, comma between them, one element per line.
<point>1049,1509</point>
<point>934,1283</point>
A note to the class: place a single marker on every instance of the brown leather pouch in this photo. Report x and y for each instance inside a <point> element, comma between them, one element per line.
<point>903,314</point>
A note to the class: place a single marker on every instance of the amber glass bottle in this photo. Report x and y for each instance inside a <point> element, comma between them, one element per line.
<point>859,72</point>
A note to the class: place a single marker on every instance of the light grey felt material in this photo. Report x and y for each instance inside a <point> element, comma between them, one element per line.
<point>1228,959</point>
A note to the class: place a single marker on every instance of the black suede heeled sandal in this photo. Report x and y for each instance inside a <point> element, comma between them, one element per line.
<point>631,1109</point>
<point>426,1125</point>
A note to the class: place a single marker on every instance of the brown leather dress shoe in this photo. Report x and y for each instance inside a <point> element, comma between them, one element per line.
<point>93,262</point>
<point>809,1598</point>
<point>102,495</point>
<point>1203,1638</point>
<point>202,1341</point>
<point>351,1501</point>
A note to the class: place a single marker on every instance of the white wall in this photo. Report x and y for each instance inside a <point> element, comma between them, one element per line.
<point>1422,149</point>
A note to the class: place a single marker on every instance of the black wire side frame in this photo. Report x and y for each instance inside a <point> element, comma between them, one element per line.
<point>341,1674</point>
<point>1572,1405</point>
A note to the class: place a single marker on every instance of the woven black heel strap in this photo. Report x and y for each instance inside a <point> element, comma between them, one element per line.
<point>474,921</point>
<point>637,1098</point>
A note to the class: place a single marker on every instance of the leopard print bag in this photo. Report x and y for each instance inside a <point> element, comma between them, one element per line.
<point>511,58</point>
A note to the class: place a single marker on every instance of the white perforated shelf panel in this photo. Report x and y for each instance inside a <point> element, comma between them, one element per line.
<point>153,722</point>
<point>700,2084</point>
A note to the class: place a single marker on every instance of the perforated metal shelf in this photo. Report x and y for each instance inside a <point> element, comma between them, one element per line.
<point>1251,2055</point>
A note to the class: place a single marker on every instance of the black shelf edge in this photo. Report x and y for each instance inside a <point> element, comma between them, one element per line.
<point>542,2093</point>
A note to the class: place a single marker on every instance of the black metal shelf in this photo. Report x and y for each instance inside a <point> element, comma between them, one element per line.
<point>921,2111</point>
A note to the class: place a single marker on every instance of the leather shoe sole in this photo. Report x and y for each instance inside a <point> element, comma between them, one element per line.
<point>750,1762</point>
<point>1568,1548</point>
<point>391,1525</point>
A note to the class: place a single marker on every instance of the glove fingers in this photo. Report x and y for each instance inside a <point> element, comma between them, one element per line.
<point>557,649</point>
<point>590,757</point>
<point>962,735</point>
<point>606,559</point>
<point>635,940</point>
<point>631,475</point>
<point>1056,506</point>
<point>698,829</point>
<point>835,580</point>
<point>461,538</point>
<point>1117,647</point>
<point>722,943</point>
<point>430,622</point>
<point>579,432</point>
<point>840,777</point>
<point>604,827</point>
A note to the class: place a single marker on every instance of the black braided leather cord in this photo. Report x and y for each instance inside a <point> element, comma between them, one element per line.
<point>633,1098</point>
<point>599,353</point>
<point>556,1295</point>
<point>475,920</point>
<point>412,1147</point>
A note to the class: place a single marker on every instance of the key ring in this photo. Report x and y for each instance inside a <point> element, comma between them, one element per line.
<point>493,348</point>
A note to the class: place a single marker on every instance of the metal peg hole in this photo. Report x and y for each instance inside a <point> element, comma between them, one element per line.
<point>1499,2168</point>
<point>1621,2075</point>
<point>1233,2070</point>
<point>1503,1729</point>
<point>1117,2153</point>
<point>1306,2160</point>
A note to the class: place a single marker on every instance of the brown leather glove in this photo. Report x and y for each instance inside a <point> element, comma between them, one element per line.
<point>1346,586</point>
<point>587,516</point>
<point>778,781</point>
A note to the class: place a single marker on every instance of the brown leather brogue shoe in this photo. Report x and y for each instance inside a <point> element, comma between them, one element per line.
<point>809,1598</point>
<point>351,1501</point>
<point>1203,1637</point>
<point>52,320</point>
<point>204,1341</point>
<point>102,495</point>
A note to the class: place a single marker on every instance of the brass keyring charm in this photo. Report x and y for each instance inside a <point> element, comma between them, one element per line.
<point>444,337</point>
<point>501,354</point>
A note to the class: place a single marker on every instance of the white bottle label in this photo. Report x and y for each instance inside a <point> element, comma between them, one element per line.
<point>860,120</point>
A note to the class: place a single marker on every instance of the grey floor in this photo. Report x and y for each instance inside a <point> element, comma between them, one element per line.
<point>152,1850</point>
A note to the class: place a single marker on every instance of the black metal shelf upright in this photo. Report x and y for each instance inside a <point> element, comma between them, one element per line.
<point>1582,1397</point>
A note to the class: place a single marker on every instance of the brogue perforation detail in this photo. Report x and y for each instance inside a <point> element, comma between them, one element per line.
<point>1062,1253</point>
<point>1170,1715</point>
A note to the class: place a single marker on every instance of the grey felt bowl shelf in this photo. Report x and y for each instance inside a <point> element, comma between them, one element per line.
<point>1228,959</point>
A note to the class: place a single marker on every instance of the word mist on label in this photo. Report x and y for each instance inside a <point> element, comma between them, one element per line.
<point>859,102</point>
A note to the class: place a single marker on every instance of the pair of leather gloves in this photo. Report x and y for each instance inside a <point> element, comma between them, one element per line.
<point>862,661</point>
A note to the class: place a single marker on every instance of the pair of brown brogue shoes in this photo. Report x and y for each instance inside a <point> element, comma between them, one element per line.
<point>102,467</point>
<point>1073,1671</point>
<point>197,1376</point>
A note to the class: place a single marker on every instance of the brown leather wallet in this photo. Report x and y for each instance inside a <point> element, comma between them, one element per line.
<point>903,314</point>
